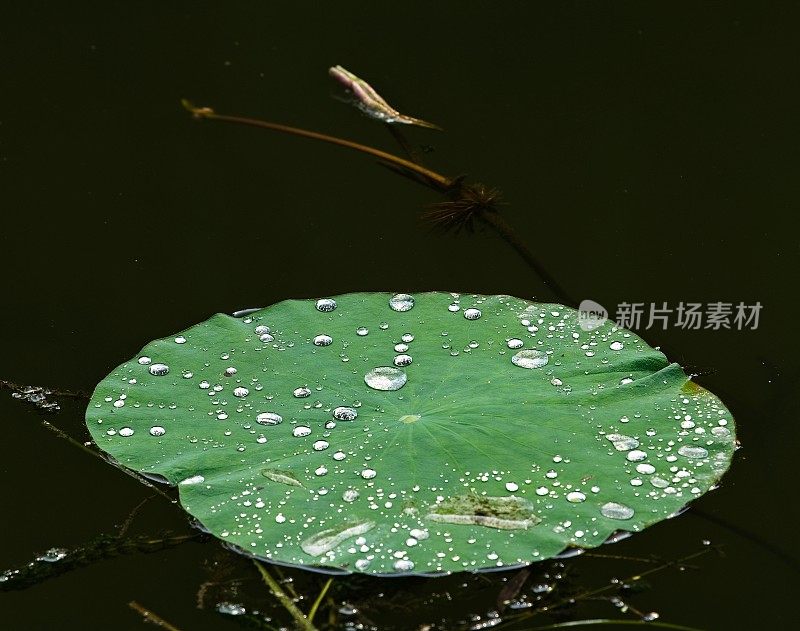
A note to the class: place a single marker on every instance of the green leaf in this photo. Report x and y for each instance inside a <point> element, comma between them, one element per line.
<point>389,435</point>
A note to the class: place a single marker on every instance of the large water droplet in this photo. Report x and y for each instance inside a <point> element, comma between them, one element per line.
<point>530,359</point>
<point>261,329</point>
<point>350,495</point>
<point>514,343</point>
<point>693,452</point>
<point>404,565</point>
<point>159,370</point>
<point>401,302</point>
<point>472,314</point>
<point>385,378</point>
<point>402,360</point>
<point>345,414</point>
<point>362,331</point>
<point>269,418</point>
<point>157,430</point>
<point>575,497</point>
<point>613,510</point>
<point>622,442</point>
<point>302,392</point>
<point>240,392</point>
<point>616,346</point>
<point>144,360</point>
<point>195,479</point>
<point>321,445</point>
<point>323,340</point>
<point>125,432</point>
<point>368,474</point>
<point>636,455</point>
<point>325,304</point>
<point>300,431</point>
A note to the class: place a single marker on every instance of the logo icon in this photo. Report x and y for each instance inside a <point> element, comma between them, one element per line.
<point>591,315</point>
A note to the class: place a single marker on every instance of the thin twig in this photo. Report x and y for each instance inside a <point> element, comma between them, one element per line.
<point>634,577</point>
<point>99,548</point>
<point>151,617</point>
<point>303,622</point>
<point>75,443</point>
<point>129,519</point>
<point>591,593</point>
<point>615,622</point>
<point>760,541</point>
<point>622,557</point>
<point>313,611</point>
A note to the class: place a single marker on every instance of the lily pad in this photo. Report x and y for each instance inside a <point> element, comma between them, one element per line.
<point>391,434</point>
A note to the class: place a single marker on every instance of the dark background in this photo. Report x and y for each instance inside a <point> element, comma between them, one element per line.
<point>647,151</point>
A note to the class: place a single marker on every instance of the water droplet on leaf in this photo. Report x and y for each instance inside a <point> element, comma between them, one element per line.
<point>530,359</point>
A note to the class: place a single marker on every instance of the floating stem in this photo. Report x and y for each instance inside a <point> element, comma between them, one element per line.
<point>436,180</point>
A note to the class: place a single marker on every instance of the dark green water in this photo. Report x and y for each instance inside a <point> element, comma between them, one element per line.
<point>647,154</point>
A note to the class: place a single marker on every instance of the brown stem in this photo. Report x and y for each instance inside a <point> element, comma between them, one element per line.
<point>434,180</point>
<point>502,227</point>
<point>437,180</point>
<point>151,617</point>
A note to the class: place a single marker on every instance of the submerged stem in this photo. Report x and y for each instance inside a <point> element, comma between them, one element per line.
<point>151,617</point>
<point>313,611</point>
<point>301,620</point>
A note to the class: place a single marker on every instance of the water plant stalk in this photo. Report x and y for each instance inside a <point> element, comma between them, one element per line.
<point>467,201</point>
<point>302,621</point>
